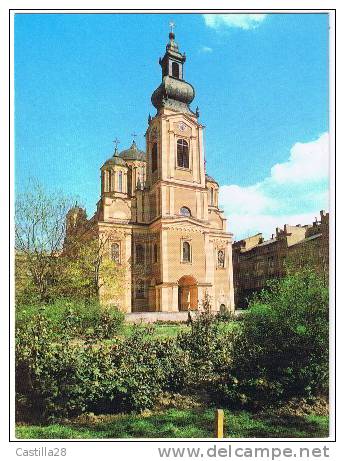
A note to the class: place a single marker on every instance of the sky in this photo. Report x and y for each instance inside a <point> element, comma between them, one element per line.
<point>261,82</point>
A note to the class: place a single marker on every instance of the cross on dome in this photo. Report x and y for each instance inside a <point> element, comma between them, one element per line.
<point>116,142</point>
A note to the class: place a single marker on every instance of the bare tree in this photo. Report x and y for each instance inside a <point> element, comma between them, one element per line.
<point>40,224</point>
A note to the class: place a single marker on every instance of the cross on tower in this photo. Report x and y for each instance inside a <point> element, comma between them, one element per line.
<point>116,142</point>
<point>172,25</point>
<point>134,135</point>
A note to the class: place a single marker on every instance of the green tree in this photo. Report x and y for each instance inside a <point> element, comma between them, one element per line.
<point>88,270</point>
<point>281,350</point>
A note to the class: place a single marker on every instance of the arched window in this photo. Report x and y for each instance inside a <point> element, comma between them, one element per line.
<point>120,182</point>
<point>175,70</point>
<point>115,252</point>
<point>212,196</point>
<point>182,153</point>
<point>142,177</point>
<point>155,253</point>
<point>184,211</point>
<point>107,182</point>
<point>104,185</point>
<point>154,155</point>
<point>221,258</point>
<point>139,254</point>
<point>112,180</point>
<point>140,289</point>
<point>186,253</point>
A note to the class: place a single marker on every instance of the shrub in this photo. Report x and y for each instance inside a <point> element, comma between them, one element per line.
<point>80,319</point>
<point>57,376</point>
<point>46,368</point>
<point>209,349</point>
<point>281,351</point>
<point>225,316</point>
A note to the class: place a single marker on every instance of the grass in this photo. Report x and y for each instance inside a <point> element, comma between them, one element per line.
<point>175,423</point>
<point>159,330</point>
<point>172,330</point>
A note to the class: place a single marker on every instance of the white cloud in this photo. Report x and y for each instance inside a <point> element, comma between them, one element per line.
<point>206,49</point>
<point>242,225</point>
<point>293,194</point>
<point>242,21</point>
<point>249,200</point>
<point>307,162</point>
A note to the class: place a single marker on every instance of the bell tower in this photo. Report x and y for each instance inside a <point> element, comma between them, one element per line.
<point>174,142</point>
<point>172,62</point>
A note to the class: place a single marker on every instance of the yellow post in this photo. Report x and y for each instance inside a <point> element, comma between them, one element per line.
<point>219,424</point>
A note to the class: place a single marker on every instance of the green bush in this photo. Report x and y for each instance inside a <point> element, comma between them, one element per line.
<point>60,376</point>
<point>208,347</point>
<point>46,371</point>
<point>281,350</point>
<point>83,319</point>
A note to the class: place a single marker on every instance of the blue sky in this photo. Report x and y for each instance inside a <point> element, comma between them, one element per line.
<point>261,85</point>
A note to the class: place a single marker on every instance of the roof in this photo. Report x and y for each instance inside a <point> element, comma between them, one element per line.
<point>210,179</point>
<point>267,242</point>
<point>133,153</point>
<point>312,237</point>
<point>115,160</point>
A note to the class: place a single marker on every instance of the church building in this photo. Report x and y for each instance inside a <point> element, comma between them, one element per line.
<point>159,209</point>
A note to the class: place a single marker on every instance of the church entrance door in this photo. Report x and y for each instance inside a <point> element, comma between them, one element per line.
<point>187,293</point>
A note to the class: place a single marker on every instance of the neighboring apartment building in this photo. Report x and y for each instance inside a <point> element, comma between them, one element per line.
<point>255,260</point>
<point>159,209</point>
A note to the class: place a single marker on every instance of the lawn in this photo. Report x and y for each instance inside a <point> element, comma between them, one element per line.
<point>173,423</point>
<point>158,330</point>
<point>161,330</point>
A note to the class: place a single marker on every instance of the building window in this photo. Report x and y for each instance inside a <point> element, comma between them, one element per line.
<point>182,153</point>
<point>222,308</point>
<point>186,252</point>
<point>112,180</point>
<point>153,205</point>
<point>221,259</point>
<point>140,289</point>
<point>184,211</point>
<point>154,157</point>
<point>139,254</point>
<point>120,182</point>
<point>115,252</point>
<point>155,253</point>
<point>175,70</point>
<point>108,181</point>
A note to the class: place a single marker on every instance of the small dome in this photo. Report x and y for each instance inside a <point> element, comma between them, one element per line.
<point>133,153</point>
<point>115,160</point>
<point>210,179</point>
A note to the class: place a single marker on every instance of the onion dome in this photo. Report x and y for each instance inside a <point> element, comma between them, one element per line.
<point>133,153</point>
<point>173,93</point>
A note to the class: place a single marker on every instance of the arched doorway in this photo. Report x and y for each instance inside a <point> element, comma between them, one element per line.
<point>187,293</point>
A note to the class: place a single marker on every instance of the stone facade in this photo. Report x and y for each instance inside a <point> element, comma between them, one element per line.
<point>255,261</point>
<point>159,210</point>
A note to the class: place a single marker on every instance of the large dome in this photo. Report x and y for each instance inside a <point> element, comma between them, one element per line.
<point>133,153</point>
